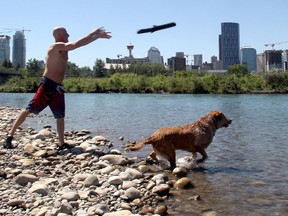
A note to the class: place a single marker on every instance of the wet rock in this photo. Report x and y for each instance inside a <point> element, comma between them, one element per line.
<point>99,139</point>
<point>161,190</point>
<point>180,172</point>
<point>161,210</point>
<point>183,183</point>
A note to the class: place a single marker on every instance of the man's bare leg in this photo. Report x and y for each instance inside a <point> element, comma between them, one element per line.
<point>20,119</point>
<point>60,130</point>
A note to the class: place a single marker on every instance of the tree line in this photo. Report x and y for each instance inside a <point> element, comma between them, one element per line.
<point>151,78</point>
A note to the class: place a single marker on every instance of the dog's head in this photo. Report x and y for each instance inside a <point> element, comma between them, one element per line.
<point>219,119</point>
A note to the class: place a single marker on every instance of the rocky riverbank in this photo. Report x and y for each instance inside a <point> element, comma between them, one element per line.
<point>91,178</point>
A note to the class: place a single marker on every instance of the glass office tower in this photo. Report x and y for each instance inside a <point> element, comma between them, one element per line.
<point>229,44</point>
<point>19,49</point>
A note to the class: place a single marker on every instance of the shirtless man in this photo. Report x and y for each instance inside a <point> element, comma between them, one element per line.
<point>50,91</point>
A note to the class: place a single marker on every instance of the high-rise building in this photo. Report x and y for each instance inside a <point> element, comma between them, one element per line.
<point>19,49</point>
<point>154,55</point>
<point>273,59</point>
<point>177,63</point>
<point>198,60</point>
<point>4,48</point>
<point>248,57</point>
<point>229,44</point>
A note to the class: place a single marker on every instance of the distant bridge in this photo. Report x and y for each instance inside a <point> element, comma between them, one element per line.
<point>4,76</point>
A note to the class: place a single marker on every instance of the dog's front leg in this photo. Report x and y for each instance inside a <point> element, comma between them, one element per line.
<point>204,155</point>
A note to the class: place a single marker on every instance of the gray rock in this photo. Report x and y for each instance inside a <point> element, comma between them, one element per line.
<point>16,202</point>
<point>161,190</point>
<point>135,174</point>
<point>119,213</point>
<point>115,159</point>
<point>91,180</point>
<point>128,184</point>
<point>71,196</point>
<point>24,179</point>
<point>99,139</point>
<point>66,208</point>
<point>115,180</point>
<point>132,193</point>
<point>39,188</point>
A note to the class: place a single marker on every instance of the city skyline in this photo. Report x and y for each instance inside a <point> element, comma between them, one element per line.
<point>197,30</point>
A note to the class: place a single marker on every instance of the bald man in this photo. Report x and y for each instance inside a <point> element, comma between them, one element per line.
<point>50,91</point>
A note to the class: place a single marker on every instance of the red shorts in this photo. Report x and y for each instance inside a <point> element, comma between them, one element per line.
<point>49,93</point>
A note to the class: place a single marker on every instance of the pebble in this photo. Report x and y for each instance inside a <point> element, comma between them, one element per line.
<point>92,178</point>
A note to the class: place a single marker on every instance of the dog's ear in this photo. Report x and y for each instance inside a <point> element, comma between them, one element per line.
<point>219,116</point>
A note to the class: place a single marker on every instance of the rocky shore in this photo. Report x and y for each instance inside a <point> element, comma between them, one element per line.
<point>91,178</point>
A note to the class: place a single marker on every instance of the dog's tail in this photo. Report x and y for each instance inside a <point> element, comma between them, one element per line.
<point>140,145</point>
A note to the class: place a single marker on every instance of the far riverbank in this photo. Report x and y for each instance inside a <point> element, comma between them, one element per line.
<point>178,83</point>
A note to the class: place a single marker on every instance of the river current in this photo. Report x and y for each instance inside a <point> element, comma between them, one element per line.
<point>246,172</point>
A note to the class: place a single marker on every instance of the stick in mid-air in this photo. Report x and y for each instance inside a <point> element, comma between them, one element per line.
<point>156,28</point>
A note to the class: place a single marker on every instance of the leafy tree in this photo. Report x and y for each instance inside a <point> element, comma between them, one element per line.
<point>72,69</point>
<point>33,67</point>
<point>7,64</point>
<point>238,70</point>
<point>99,68</point>
<point>85,72</point>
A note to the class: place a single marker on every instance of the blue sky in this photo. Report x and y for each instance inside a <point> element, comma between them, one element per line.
<point>197,30</point>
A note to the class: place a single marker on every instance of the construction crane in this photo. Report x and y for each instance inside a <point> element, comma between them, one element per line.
<point>5,32</point>
<point>273,44</point>
<point>187,56</point>
<point>23,30</point>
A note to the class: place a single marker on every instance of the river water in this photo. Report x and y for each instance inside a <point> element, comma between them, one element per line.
<point>246,172</point>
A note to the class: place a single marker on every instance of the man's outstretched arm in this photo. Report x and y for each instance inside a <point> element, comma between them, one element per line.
<point>94,35</point>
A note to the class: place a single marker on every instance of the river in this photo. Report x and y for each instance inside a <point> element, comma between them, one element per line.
<point>246,172</point>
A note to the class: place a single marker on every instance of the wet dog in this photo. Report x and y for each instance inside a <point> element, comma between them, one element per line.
<point>195,137</point>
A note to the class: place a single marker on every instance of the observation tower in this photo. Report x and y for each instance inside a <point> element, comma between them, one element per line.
<point>130,48</point>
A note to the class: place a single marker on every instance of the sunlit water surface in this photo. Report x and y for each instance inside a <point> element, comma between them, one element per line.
<point>246,172</point>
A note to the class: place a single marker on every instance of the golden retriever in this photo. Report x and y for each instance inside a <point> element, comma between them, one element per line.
<point>195,137</point>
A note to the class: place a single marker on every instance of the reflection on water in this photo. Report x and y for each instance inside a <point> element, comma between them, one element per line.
<point>245,173</point>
